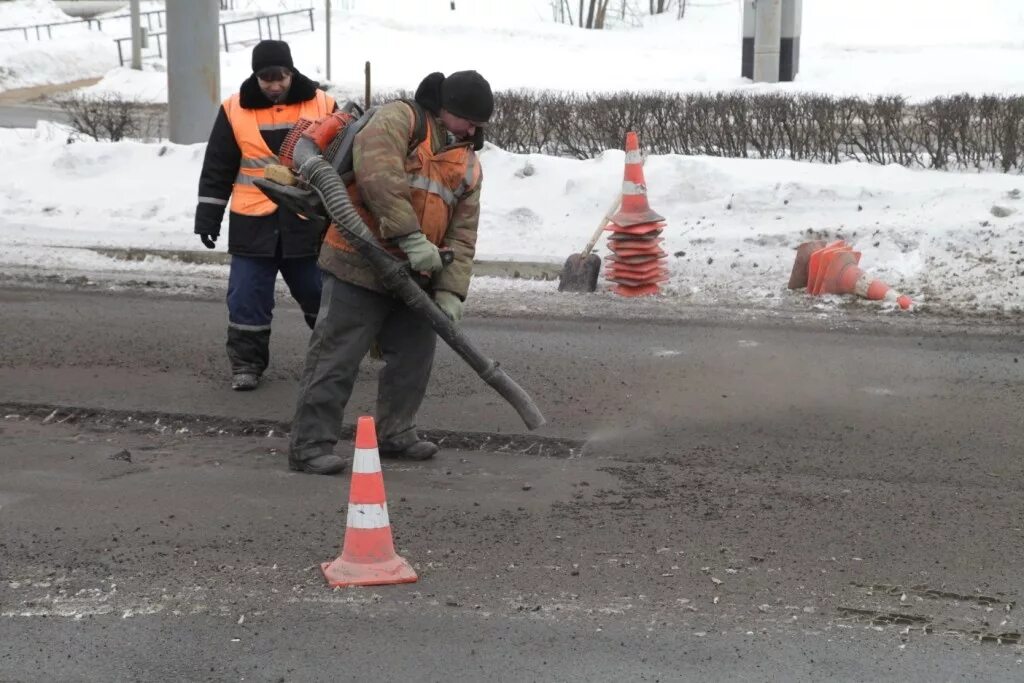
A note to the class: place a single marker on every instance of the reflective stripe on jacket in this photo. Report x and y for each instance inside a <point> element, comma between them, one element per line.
<point>247,124</point>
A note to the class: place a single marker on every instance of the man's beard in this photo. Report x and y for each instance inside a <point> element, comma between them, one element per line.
<point>275,99</point>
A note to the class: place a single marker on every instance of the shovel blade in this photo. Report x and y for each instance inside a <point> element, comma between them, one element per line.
<point>579,274</point>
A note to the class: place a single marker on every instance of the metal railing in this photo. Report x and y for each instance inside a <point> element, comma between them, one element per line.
<point>40,29</point>
<point>264,22</point>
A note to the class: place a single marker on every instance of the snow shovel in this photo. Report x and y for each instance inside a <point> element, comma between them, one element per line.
<point>579,274</point>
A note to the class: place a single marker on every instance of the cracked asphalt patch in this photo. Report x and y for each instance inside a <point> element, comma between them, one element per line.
<point>105,420</point>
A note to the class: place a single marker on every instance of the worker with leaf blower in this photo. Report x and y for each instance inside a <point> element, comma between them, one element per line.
<point>263,238</point>
<point>416,184</point>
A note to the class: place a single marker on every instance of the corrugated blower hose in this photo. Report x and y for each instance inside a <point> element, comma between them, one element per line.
<point>319,152</point>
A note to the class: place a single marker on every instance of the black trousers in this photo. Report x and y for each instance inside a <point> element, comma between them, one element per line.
<point>350,319</point>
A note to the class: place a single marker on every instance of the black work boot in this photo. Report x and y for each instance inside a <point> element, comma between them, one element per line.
<point>328,463</point>
<point>245,381</point>
<point>418,450</point>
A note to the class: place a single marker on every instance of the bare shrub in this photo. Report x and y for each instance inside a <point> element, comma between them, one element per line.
<point>107,117</point>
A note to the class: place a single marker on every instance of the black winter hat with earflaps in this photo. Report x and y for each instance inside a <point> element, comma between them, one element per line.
<point>466,94</point>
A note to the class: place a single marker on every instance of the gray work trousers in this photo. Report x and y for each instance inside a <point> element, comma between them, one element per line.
<point>350,319</point>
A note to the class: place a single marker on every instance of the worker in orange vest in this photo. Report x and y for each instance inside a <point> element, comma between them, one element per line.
<point>416,184</point>
<point>263,239</point>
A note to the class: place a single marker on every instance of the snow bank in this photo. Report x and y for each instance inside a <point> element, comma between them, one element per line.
<point>732,224</point>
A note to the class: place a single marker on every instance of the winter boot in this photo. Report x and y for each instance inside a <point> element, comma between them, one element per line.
<point>418,450</point>
<point>328,463</point>
<point>245,381</point>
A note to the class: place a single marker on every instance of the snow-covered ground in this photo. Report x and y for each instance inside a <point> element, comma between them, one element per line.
<point>918,48</point>
<point>732,225</point>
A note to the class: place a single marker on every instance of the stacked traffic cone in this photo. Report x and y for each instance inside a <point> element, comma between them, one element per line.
<point>637,262</point>
<point>833,269</point>
<point>368,555</point>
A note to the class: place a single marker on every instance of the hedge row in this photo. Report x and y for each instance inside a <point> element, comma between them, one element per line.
<point>958,132</point>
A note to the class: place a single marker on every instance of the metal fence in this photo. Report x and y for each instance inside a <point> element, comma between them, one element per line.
<point>265,25</point>
<point>45,31</point>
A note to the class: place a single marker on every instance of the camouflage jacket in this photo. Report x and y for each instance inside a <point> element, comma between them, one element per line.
<point>380,153</point>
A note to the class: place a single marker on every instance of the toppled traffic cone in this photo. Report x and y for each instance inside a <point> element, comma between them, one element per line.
<point>637,263</point>
<point>834,269</point>
<point>368,554</point>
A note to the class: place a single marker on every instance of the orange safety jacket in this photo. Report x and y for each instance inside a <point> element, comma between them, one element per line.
<point>247,124</point>
<point>436,183</point>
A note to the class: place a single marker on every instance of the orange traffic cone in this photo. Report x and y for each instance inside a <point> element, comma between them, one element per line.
<point>368,555</point>
<point>637,264</point>
<point>833,269</point>
<point>634,210</point>
<point>842,276</point>
<point>818,263</point>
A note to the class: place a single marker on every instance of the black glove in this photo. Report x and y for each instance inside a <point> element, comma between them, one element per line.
<point>209,239</point>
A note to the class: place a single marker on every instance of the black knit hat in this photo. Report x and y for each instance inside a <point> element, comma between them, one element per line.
<point>271,53</point>
<point>468,95</point>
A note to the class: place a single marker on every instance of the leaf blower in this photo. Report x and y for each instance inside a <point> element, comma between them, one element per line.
<point>314,156</point>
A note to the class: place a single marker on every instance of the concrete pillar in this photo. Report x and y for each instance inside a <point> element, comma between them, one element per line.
<point>327,33</point>
<point>789,55</point>
<point>136,22</point>
<point>767,41</point>
<point>747,60</point>
<point>193,68</point>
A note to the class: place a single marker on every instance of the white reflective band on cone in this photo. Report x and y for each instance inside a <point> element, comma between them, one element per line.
<point>633,157</point>
<point>862,284</point>
<point>366,461</point>
<point>629,187</point>
<point>362,516</point>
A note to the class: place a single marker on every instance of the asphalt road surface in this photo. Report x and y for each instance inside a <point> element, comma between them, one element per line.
<point>711,500</point>
<point>26,116</point>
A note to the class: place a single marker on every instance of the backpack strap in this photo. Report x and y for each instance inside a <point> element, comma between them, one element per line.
<point>342,160</point>
<point>419,128</point>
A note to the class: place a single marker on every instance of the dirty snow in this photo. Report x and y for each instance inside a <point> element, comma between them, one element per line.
<point>732,224</point>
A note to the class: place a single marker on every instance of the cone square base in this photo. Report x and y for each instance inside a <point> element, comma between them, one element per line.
<point>644,290</point>
<point>659,255</point>
<point>634,228</point>
<point>644,272</point>
<point>802,262</point>
<point>341,573</point>
<point>638,282</point>
<point>819,261</point>
<point>631,248</point>
<point>627,237</point>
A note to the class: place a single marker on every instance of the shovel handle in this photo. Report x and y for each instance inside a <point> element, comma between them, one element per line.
<point>600,228</point>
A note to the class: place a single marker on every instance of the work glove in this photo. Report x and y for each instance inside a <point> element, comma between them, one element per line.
<point>450,304</point>
<point>423,254</point>
<point>209,239</point>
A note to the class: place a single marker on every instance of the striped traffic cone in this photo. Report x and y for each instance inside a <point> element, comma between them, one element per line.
<point>843,276</point>
<point>636,265</point>
<point>634,210</point>
<point>368,554</point>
